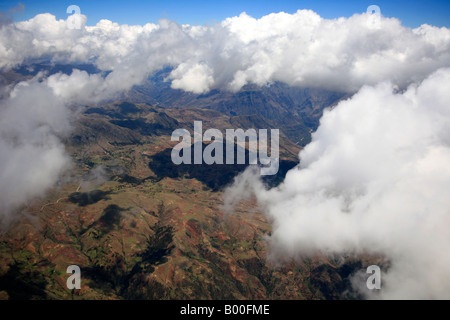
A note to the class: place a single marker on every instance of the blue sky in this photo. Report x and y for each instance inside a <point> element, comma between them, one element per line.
<point>411,12</point>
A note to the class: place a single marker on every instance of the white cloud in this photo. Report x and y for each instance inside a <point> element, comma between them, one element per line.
<point>299,49</point>
<point>32,157</point>
<point>196,78</point>
<point>374,179</point>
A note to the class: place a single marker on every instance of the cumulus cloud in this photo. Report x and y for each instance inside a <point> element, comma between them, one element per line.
<point>34,116</point>
<point>342,54</point>
<point>374,180</point>
<point>195,78</point>
<point>299,49</point>
<point>32,157</point>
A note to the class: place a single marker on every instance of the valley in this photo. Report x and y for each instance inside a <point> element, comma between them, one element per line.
<point>141,227</point>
